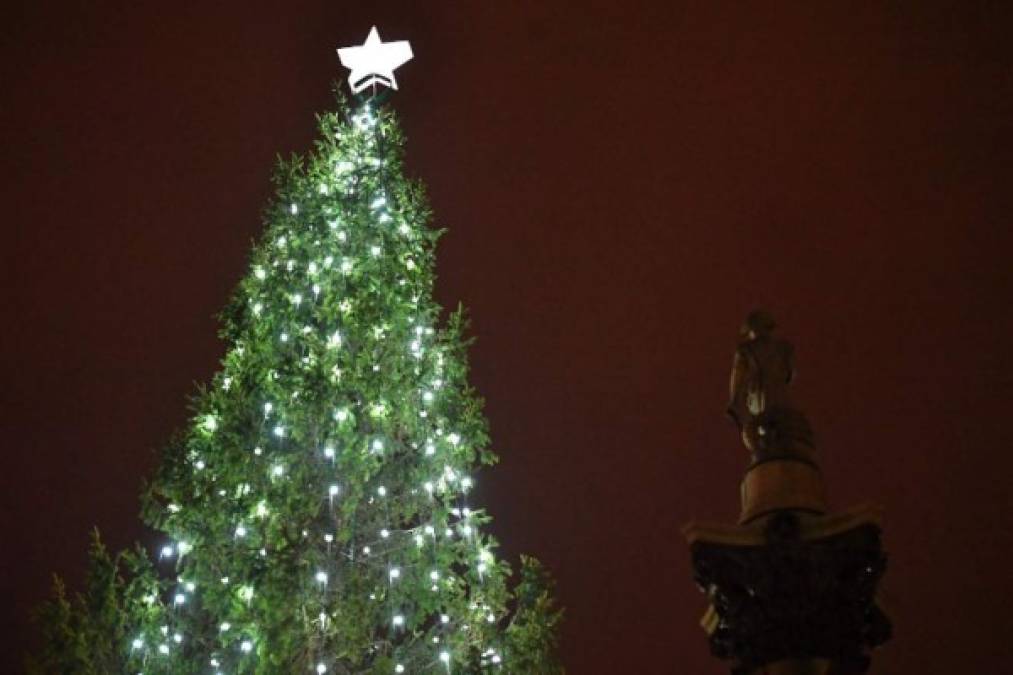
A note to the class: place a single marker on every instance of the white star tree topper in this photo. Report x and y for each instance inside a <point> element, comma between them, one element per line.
<point>373,62</point>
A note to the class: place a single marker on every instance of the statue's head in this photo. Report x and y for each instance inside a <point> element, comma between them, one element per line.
<point>759,323</point>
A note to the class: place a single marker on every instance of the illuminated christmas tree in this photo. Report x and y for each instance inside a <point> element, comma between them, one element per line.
<point>317,509</point>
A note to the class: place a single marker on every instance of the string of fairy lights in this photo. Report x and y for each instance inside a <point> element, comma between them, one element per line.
<point>317,296</point>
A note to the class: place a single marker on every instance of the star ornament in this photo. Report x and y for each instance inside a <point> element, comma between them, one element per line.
<point>373,62</point>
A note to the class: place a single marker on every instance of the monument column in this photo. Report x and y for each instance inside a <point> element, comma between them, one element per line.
<point>792,586</point>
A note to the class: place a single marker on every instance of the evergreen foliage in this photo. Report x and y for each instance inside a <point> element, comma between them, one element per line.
<point>316,509</point>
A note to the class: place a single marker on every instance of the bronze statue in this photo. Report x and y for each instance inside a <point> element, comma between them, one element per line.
<point>760,404</point>
<point>792,586</point>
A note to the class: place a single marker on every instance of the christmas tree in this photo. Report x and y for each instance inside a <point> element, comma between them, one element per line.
<point>317,511</point>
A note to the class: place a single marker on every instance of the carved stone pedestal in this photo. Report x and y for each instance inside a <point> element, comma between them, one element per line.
<point>782,484</point>
<point>792,593</point>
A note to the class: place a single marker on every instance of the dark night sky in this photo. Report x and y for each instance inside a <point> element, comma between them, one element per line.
<point>622,182</point>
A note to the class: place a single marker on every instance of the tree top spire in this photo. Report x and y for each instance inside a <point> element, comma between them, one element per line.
<point>374,61</point>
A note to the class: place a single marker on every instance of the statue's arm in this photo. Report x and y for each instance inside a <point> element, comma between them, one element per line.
<point>735,386</point>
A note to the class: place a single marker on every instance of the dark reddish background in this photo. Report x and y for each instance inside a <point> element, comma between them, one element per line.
<point>622,182</point>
